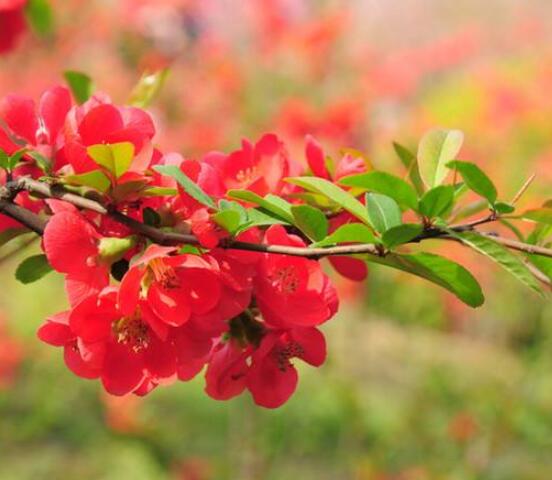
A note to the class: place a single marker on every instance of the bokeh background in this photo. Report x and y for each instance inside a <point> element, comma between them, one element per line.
<point>417,387</point>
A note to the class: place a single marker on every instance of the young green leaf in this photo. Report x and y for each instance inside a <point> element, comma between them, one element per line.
<point>16,157</point>
<point>32,269</point>
<point>41,161</point>
<point>539,215</point>
<point>401,234</point>
<point>311,221</point>
<point>476,179</point>
<point>159,192</point>
<point>230,205</point>
<point>383,211</point>
<point>230,220</point>
<point>147,88</point>
<point>437,148</point>
<point>81,85</point>
<point>94,179</point>
<point>501,255</point>
<point>279,207</point>
<point>385,183</point>
<point>339,196</point>
<point>348,233</point>
<point>260,218</point>
<point>410,162</point>
<point>503,208</point>
<point>190,187</point>
<point>437,201</point>
<point>439,270</point>
<point>115,157</point>
<point>40,17</point>
<point>544,264</point>
<point>231,216</point>
<point>4,159</point>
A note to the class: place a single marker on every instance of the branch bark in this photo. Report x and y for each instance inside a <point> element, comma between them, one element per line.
<point>37,224</point>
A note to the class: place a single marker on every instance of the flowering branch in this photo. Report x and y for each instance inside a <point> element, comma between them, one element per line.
<point>45,190</point>
<point>144,314</point>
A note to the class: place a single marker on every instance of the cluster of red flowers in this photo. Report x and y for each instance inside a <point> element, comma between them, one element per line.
<point>142,314</point>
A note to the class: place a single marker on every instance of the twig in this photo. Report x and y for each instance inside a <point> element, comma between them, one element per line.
<point>37,224</point>
<point>523,188</point>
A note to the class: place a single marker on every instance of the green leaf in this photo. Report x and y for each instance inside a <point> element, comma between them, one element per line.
<point>147,88</point>
<point>339,196</point>
<point>39,14</point>
<point>386,184</point>
<point>190,187</point>
<point>94,179</point>
<point>270,203</point>
<point>401,234</point>
<point>501,255</point>
<point>230,205</point>
<point>539,215</point>
<point>159,192</point>
<point>260,218</point>
<point>437,201</point>
<point>437,148</point>
<point>476,179</point>
<point>311,221</point>
<point>4,159</point>
<point>348,233</point>
<point>41,161</point>
<point>383,211</point>
<point>81,85</point>
<point>439,270</point>
<point>504,208</point>
<point>544,264</point>
<point>32,269</point>
<point>230,220</point>
<point>410,162</point>
<point>16,158</point>
<point>115,157</point>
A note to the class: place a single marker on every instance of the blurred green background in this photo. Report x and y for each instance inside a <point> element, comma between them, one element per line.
<point>416,387</point>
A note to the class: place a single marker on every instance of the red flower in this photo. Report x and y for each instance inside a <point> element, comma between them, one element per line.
<point>126,352</point>
<point>259,168</point>
<point>226,373</point>
<point>74,247</point>
<point>266,371</point>
<point>176,287</point>
<point>272,378</point>
<point>292,291</point>
<point>12,23</point>
<point>316,158</point>
<point>38,127</point>
<point>97,122</point>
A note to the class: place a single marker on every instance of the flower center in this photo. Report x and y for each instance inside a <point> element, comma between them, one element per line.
<point>132,331</point>
<point>283,355</point>
<point>164,274</point>
<point>246,175</point>
<point>285,279</point>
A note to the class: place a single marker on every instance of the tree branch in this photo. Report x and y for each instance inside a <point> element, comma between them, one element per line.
<point>37,224</point>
